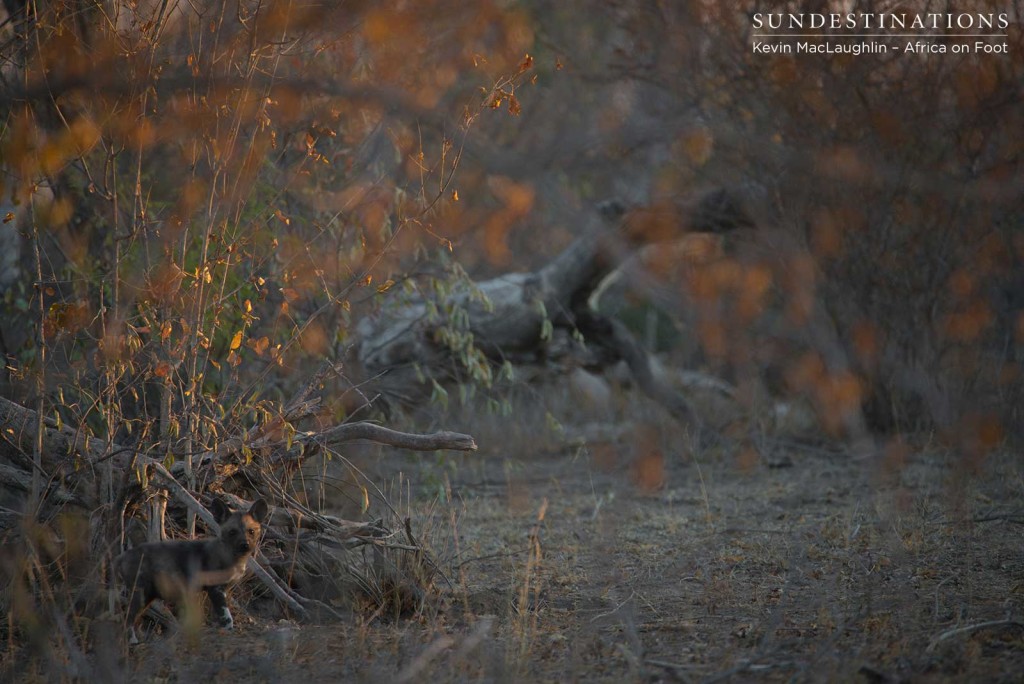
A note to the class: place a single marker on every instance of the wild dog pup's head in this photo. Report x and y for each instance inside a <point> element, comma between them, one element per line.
<point>240,531</point>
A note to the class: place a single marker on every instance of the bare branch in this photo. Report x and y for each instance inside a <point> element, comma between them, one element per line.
<point>351,432</point>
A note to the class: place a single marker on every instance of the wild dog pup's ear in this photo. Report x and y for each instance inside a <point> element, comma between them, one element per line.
<point>220,510</point>
<point>259,511</point>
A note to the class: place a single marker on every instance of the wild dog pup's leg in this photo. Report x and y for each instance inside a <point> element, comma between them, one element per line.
<point>131,573</point>
<point>140,601</point>
<point>219,603</point>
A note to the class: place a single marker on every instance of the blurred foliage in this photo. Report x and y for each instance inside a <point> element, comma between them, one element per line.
<point>201,200</point>
<point>886,281</point>
<point>210,184</point>
<point>219,191</point>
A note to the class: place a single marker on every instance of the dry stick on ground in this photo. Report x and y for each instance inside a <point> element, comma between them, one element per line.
<point>966,629</point>
<point>347,432</point>
<point>350,432</point>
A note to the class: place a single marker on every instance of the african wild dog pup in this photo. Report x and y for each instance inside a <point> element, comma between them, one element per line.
<point>175,571</point>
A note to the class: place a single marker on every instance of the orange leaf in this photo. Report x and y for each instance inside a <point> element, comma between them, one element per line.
<point>162,370</point>
<point>236,341</point>
<point>260,345</point>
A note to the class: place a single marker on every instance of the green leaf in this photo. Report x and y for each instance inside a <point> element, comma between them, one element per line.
<point>547,331</point>
<point>439,394</point>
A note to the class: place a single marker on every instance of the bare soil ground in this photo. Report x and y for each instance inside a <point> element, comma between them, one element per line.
<point>628,564</point>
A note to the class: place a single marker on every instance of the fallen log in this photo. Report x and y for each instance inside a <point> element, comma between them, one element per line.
<point>517,316</point>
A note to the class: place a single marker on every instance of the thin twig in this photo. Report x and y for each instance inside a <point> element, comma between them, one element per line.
<point>966,629</point>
